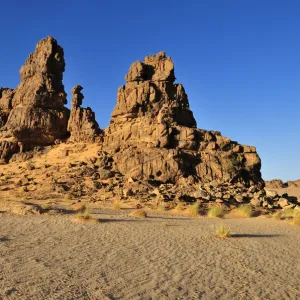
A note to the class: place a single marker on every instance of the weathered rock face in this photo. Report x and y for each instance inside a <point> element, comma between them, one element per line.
<point>6,96</point>
<point>38,115</point>
<point>82,124</point>
<point>153,133</point>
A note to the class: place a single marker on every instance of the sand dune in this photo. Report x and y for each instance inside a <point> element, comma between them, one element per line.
<point>160,257</point>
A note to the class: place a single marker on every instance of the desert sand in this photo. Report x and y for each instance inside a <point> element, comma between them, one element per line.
<point>160,257</point>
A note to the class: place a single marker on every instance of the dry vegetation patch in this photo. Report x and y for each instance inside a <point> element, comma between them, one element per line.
<point>296,218</point>
<point>244,211</point>
<point>194,209</point>
<point>223,231</point>
<point>215,212</point>
<point>85,217</point>
<point>139,213</point>
<point>117,205</point>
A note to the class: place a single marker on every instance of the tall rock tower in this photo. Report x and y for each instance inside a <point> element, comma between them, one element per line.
<point>38,115</point>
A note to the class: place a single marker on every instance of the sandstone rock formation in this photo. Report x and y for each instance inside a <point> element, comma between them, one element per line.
<point>82,124</point>
<point>153,134</point>
<point>38,115</point>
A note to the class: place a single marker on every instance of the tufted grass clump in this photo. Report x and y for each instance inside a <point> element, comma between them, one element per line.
<point>117,205</point>
<point>223,231</point>
<point>215,212</point>
<point>296,218</point>
<point>138,213</point>
<point>85,216</point>
<point>288,213</point>
<point>180,206</point>
<point>277,216</point>
<point>244,211</point>
<point>193,209</point>
<point>161,208</point>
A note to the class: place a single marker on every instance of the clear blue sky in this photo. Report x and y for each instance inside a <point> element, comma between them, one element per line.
<point>239,60</point>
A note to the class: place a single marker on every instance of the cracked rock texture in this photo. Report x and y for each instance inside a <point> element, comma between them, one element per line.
<point>82,125</point>
<point>153,133</point>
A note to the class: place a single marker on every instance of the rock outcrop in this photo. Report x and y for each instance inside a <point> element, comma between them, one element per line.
<point>153,133</point>
<point>38,115</point>
<point>82,124</point>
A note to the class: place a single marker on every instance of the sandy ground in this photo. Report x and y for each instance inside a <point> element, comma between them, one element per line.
<point>160,257</point>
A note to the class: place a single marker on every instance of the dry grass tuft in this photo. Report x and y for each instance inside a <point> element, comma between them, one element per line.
<point>117,205</point>
<point>215,212</point>
<point>180,206</point>
<point>85,217</point>
<point>193,209</point>
<point>288,213</point>
<point>244,211</point>
<point>296,218</point>
<point>161,208</point>
<point>223,231</point>
<point>139,213</point>
<point>277,216</point>
<point>46,206</point>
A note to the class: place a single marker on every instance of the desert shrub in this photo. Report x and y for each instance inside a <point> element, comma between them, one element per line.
<point>296,218</point>
<point>161,208</point>
<point>180,206</point>
<point>139,213</point>
<point>85,217</point>
<point>215,212</point>
<point>117,205</point>
<point>194,209</point>
<point>244,211</point>
<point>223,231</point>
<point>288,213</point>
<point>46,206</point>
<point>277,216</point>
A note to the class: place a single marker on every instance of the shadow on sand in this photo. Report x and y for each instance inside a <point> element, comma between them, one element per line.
<point>169,218</point>
<point>121,220</point>
<point>4,239</point>
<point>245,235</point>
